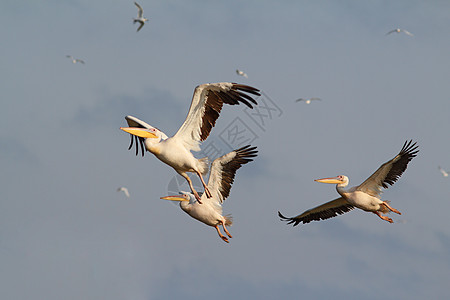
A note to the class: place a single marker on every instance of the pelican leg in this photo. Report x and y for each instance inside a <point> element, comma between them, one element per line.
<point>224,238</point>
<point>390,208</point>
<point>208,193</point>
<point>383,217</point>
<point>192,187</point>
<point>225,229</point>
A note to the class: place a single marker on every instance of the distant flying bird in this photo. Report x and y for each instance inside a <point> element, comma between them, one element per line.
<point>366,196</point>
<point>399,30</point>
<point>443,172</point>
<point>241,73</point>
<point>140,17</point>
<point>124,190</point>
<point>206,105</point>
<point>307,101</point>
<point>223,171</point>
<point>75,60</point>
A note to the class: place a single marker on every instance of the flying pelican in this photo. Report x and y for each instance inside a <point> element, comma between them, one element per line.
<point>399,30</point>
<point>365,196</point>
<point>206,105</point>
<point>223,170</point>
<point>140,17</point>
<point>75,60</point>
<point>443,172</point>
<point>241,73</point>
<point>307,101</point>
<point>124,190</point>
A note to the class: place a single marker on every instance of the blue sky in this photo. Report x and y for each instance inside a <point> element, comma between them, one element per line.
<point>65,233</point>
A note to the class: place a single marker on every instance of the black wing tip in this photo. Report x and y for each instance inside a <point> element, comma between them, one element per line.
<point>288,220</point>
<point>247,152</point>
<point>409,148</point>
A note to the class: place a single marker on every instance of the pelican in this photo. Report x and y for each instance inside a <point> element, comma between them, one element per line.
<point>124,190</point>
<point>365,196</point>
<point>175,151</point>
<point>399,30</point>
<point>75,60</point>
<point>443,172</point>
<point>307,101</point>
<point>241,73</point>
<point>223,170</point>
<point>140,17</point>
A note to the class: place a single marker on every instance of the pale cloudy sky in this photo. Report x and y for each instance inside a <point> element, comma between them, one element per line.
<point>66,233</point>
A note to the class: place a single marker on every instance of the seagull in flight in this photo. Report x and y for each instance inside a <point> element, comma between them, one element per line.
<point>444,173</point>
<point>307,101</point>
<point>124,190</point>
<point>241,73</point>
<point>399,30</point>
<point>75,60</point>
<point>140,17</point>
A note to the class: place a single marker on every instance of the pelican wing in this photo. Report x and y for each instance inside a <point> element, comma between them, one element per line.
<point>322,212</point>
<point>206,105</point>
<point>223,170</point>
<point>140,10</point>
<point>390,171</point>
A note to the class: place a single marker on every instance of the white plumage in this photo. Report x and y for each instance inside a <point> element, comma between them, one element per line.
<point>209,210</point>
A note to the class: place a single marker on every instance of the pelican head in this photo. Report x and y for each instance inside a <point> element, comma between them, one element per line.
<point>341,180</point>
<point>183,196</point>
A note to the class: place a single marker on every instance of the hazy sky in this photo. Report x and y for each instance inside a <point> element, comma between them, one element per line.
<point>66,233</point>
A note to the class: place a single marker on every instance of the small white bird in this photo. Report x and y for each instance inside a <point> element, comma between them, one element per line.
<point>140,17</point>
<point>399,30</point>
<point>241,73</point>
<point>124,190</point>
<point>223,171</point>
<point>444,173</point>
<point>75,60</point>
<point>307,101</point>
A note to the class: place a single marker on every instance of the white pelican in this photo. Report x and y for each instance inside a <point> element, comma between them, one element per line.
<point>307,101</point>
<point>140,17</point>
<point>443,172</point>
<point>124,190</point>
<point>399,30</point>
<point>206,105</point>
<point>223,170</point>
<point>366,196</point>
<point>241,73</point>
<point>75,60</point>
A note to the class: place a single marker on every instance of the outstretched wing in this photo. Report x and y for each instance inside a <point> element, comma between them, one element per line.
<point>206,105</point>
<point>390,171</point>
<point>223,170</point>
<point>140,10</point>
<point>322,212</point>
<point>135,122</point>
<point>140,26</point>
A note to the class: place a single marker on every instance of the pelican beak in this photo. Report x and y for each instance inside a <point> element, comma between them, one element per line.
<point>174,198</point>
<point>140,132</point>
<point>329,180</point>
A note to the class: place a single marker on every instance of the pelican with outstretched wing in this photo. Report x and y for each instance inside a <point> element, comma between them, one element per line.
<point>365,196</point>
<point>205,108</point>
<point>223,171</point>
